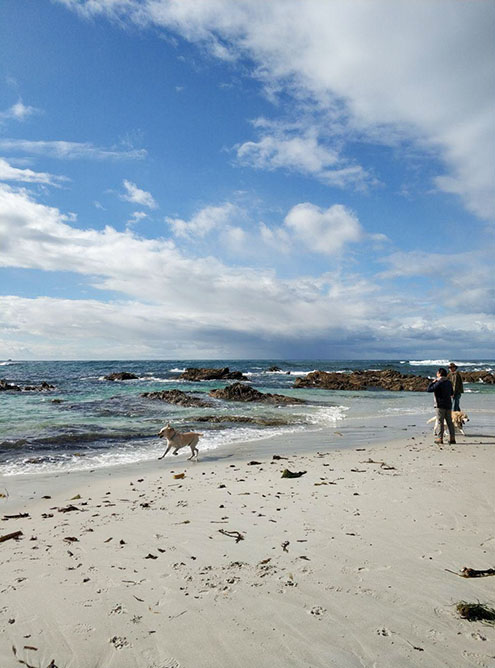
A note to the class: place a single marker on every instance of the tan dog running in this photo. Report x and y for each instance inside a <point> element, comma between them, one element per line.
<point>459,418</point>
<point>176,440</point>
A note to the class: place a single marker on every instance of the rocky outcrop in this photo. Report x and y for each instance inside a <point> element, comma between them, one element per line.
<point>9,387</point>
<point>242,419</point>
<point>364,380</point>
<point>176,397</point>
<point>121,375</point>
<point>478,377</point>
<point>240,392</point>
<point>195,374</point>
<point>274,368</point>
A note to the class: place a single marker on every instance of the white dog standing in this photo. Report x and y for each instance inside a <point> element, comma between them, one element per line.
<point>176,440</point>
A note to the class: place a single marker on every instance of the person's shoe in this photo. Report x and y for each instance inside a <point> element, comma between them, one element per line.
<point>452,442</point>
<point>439,441</point>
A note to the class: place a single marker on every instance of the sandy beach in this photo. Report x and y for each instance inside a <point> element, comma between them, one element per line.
<point>232,565</point>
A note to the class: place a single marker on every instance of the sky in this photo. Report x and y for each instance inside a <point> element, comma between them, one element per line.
<point>182,179</point>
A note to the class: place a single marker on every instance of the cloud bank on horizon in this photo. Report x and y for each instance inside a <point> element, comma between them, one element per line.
<point>249,179</point>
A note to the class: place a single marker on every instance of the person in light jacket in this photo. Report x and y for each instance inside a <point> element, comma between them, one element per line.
<point>443,391</point>
<point>456,380</point>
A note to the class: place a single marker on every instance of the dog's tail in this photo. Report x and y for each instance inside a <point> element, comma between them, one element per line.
<point>431,420</point>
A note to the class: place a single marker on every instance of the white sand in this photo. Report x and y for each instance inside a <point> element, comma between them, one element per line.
<point>362,580</point>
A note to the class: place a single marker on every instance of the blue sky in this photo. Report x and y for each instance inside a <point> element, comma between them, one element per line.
<point>249,179</point>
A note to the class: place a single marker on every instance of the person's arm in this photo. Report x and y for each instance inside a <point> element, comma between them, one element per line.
<point>432,385</point>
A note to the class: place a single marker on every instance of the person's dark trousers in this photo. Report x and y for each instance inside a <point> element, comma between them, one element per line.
<point>457,399</point>
<point>445,414</point>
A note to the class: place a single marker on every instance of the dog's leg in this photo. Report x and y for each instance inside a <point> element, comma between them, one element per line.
<point>168,448</point>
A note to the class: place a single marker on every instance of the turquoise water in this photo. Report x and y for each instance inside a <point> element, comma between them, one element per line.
<point>99,423</point>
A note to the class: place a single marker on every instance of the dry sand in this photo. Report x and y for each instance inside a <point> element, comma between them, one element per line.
<point>344,566</point>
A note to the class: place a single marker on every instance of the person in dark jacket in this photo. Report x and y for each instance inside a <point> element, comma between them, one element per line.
<point>443,391</point>
<point>456,380</point>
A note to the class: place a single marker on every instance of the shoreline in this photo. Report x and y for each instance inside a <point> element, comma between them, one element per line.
<point>354,431</point>
<point>344,566</point>
<point>343,435</point>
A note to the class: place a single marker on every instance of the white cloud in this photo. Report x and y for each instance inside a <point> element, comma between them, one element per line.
<point>235,238</point>
<point>68,150</point>
<point>17,112</point>
<point>173,305</point>
<point>10,173</point>
<point>137,196</point>
<point>323,231</point>
<point>136,217</point>
<point>204,221</point>
<point>276,238</point>
<point>300,150</point>
<point>421,70</point>
<point>463,282</point>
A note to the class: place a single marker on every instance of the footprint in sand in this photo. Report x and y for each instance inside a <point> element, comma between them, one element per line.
<point>317,611</point>
<point>119,642</point>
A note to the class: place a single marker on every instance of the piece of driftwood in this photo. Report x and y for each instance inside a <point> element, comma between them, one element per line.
<point>19,516</point>
<point>8,536</point>
<point>473,572</point>
<point>232,534</point>
<point>383,465</point>
<point>67,509</point>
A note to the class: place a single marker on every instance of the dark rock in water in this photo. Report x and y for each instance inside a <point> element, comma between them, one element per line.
<point>274,368</point>
<point>176,397</point>
<point>194,374</point>
<point>387,379</point>
<point>44,387</point>
<point>478,377</point>
<point>243,419</point>
<point>122,375</point>
<point>8,387</point>
<point>239,392</point>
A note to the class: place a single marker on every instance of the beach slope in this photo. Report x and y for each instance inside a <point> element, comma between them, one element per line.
<point>351,564</point>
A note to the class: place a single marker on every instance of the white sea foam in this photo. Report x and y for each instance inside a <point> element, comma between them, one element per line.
<point>119,456</point>
<point>8,363</point>
<point>326,415</point>
<point>154,379</point>
<point>403,410</point>
<point>428,362</point>
<point>177,370</point>
<point>482,366</point>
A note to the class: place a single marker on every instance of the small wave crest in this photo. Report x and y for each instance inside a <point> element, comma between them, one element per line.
<point>482,366</point>
<point>70,439</point>
<point>125,453</point>
<point>428,362</point>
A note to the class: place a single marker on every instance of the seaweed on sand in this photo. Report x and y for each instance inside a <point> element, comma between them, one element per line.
<point>476,612</point>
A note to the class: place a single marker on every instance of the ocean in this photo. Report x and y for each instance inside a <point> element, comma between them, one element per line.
<point>89,423</point>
